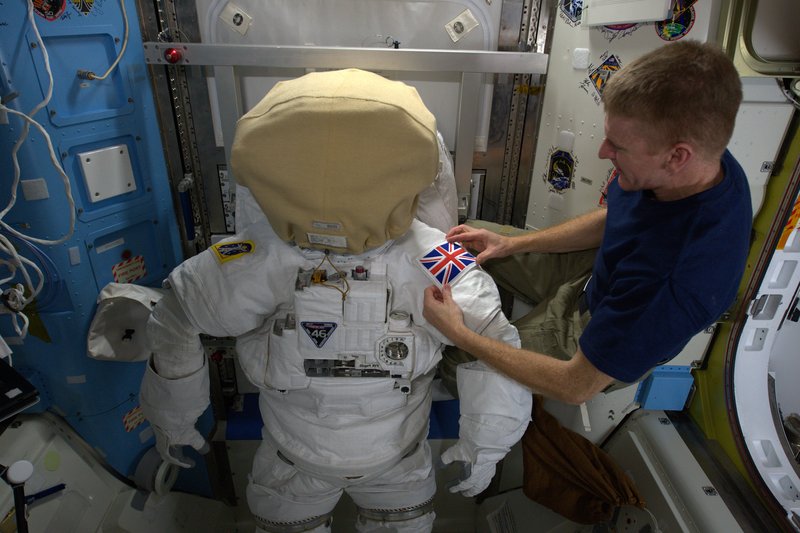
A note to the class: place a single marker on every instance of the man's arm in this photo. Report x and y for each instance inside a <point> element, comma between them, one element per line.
<point>580,233</point>
<point>573,381</point>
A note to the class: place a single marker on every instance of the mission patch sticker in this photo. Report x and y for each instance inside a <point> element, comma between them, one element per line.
<point>228,251</point>
<point>319,332</point>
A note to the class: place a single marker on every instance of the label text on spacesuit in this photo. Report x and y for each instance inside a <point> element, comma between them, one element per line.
<point>319,332</point>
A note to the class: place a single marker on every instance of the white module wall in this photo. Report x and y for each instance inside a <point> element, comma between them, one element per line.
<point>417,24</point>
<point>582,58</point>
<point>766,369</point>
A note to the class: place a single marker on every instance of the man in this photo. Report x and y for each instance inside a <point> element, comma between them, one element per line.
<point>672,242</point>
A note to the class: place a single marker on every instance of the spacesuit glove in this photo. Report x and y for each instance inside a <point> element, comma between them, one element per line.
<point>475,475</point>
<point>173,406</point>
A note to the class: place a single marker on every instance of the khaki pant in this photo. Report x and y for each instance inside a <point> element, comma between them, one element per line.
<point>551,283</point>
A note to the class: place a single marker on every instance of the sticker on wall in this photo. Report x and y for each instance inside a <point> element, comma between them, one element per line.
<point>612,175</point>
<point>679,24</point>
<point>617,31</point>
<point>464,23</point>
<point>570,11</point>
<point>84,7</point>
<point>129,270</point>
<point>792,224</point>
<point>599,76</point>
<point>560,170</point>
<point>133,419</point>
<point>49,9</point>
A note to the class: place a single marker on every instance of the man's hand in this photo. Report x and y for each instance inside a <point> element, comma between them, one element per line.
<point>487,244</point>
<point>442,312</point>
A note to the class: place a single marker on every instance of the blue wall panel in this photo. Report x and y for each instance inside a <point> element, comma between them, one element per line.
<point>98,398</point>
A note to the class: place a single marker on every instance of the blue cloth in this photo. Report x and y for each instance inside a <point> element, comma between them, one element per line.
<point>664,272</point>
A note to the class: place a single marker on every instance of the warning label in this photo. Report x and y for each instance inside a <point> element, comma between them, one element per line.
<point>129,270</point>
<point>133,419</point>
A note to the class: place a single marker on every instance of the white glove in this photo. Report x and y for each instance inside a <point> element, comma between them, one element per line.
<point>173,406</point>
<point>475,475</point>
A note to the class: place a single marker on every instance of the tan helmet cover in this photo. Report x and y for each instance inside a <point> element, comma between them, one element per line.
<point>336,160</point>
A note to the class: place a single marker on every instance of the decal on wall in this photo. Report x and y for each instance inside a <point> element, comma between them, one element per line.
<point>129,270</point>
<point>617,31</point>
<point>677,26</point>
<point>133,419</point>
<point>570,11</point>
<point>560,170</point>
<point>612,175</point>
<point>86,8</point>
<point>791,225</point>
<point>599,76</point>
<point>49,9</point>
<point>82,6</point>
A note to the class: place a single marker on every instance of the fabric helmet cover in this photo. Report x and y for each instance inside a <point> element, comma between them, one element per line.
<point>336,159</point>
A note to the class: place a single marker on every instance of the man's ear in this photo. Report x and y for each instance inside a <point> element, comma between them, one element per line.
<point>679,156</point>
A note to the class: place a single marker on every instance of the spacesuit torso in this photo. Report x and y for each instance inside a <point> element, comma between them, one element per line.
<point>336,343</point>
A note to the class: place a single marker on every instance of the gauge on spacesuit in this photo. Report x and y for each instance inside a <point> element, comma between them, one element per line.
<point>396,350</point>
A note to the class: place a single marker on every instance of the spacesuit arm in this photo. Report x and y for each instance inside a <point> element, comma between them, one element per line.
<point>495,411</point>
<point>175,387</point>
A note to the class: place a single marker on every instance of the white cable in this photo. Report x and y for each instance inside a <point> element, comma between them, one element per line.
<point>39,107</point>
<point>653,518</point>
<point>16,295</point>
<point>61,173</point>
<point>91,75</point>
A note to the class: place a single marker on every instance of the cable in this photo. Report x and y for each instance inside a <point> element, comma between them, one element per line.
<point>88,74</point>
<point>14,298</point>
<point>788,93</point>
<point>342,276</point>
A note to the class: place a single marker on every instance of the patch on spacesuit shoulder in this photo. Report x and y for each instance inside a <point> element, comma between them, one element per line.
<point>446,262</point>
<point>228,251</point>
<point>318,332</point>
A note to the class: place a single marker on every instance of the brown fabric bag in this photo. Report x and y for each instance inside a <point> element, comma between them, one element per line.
<point>569,474</point>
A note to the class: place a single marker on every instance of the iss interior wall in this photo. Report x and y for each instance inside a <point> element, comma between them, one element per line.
<point>124,232</point>
<point>418,24</point>
<point>572,103</point>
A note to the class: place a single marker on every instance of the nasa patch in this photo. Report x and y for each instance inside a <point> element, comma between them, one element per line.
<point>228,251</point>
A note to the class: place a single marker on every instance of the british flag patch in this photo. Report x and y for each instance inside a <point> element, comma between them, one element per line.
<point>446,262</point>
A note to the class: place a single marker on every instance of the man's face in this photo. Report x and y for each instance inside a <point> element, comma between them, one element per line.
<point>627,144</point>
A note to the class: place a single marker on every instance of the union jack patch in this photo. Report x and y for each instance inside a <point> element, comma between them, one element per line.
<point>446,262</point>
<point>228,251</point>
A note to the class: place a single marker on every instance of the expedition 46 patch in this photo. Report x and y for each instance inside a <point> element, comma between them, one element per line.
<point>318,332</point>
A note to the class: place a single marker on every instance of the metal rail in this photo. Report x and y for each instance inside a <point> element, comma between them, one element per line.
<point>471,65</point>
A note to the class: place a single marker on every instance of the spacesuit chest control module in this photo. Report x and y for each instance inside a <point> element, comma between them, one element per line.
<point>324,296</point>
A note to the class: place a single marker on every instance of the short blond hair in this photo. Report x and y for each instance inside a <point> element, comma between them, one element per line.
<point>686,91</point>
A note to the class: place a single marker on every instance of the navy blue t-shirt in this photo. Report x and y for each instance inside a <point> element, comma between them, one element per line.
<point>664,272</point>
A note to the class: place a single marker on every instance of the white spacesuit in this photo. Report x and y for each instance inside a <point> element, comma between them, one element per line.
<point>325,298</point>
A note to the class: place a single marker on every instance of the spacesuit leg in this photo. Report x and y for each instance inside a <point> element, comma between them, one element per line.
<point>285,500</point>
<point>401,499</point>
